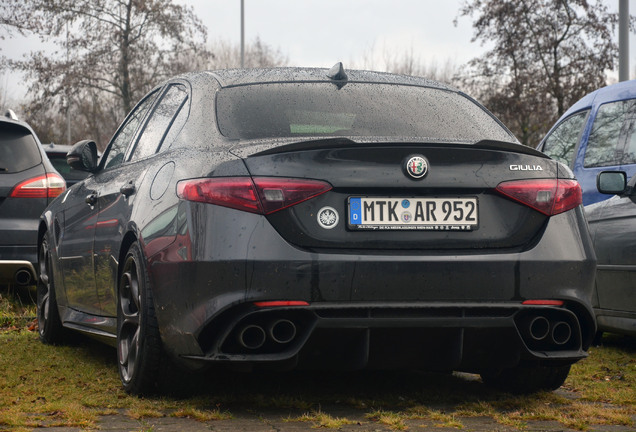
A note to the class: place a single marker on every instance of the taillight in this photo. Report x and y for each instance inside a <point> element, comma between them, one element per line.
<point>46,186</point>
<point>263,195</point>
<point>549,196</point>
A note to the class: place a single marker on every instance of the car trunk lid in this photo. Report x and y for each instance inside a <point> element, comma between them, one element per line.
<point>453,205</point>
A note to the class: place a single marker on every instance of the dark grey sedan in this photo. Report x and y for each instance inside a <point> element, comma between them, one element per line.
<point>312,218</point>
<point>613,228</point>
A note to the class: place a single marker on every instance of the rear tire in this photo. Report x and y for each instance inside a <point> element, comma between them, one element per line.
<point>49,323</point>
<point>523,380</point>
<point>139,349</point>
<point>598,339</point>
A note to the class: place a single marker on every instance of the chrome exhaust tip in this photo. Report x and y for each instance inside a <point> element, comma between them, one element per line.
<point>282,331</point>
<point>539,328</point>
<point>252,337</point>
<point>23,277</point>
<point>561,333</point>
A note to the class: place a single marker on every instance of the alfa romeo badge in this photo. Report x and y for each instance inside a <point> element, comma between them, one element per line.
<point>417,167</point>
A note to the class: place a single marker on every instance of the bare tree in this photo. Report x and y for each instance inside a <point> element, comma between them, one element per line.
<point>546,55</point>
<point>257,54</point>
<point>111,50</point>
<point>406,62</point>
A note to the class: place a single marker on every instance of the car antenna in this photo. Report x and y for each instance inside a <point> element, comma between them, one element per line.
<point>337,73</point>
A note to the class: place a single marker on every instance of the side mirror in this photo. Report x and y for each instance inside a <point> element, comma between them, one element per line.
<point>611,182</point>
<point>83,156</point>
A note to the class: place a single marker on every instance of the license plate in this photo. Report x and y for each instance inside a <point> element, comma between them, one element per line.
<point>438,214</point>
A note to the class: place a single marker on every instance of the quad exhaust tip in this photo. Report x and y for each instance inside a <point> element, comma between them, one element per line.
<point>253,336</point>
<point>282,331</point>
<point>541,328</point>
<point>561,333</point>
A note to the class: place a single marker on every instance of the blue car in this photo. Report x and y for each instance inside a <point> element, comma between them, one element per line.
<point>598,133</point>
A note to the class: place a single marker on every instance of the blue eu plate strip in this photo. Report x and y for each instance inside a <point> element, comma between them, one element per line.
<point>355,211</point>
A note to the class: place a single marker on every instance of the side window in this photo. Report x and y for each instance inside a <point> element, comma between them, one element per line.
<point>177,124</point>
<point>629,156</point>
<point>561,143</point>
<point>161,119</point>
<point>604,146</point>
<point>119,144</point>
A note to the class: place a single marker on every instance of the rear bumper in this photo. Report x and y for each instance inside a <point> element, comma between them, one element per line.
<point>17,264</point>
<point>377,307</point>
<point>433,336</point>
<point>17,272</point>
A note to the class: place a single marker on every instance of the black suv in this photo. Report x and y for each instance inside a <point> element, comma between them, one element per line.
<point>28,183</point>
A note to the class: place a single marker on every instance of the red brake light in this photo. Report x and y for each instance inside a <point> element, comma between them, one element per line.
<point>233,192</point>
<point>46,186</point>
<point>262,195</point>
<point>549,196</point>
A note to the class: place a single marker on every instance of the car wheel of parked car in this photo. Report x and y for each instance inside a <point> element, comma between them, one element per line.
<point>49,322</point>
<point>522,380</point>
<point>138,342</point>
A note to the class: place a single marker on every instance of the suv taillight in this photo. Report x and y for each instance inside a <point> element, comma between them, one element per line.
<point>46,186</point>
<point>262,195</point>
<point>549,196</point>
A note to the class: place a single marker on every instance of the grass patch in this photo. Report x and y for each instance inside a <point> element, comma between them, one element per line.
<point>73,385</point>
<point>397,420</point>
<point>17,308</point>
<point>392,419</point>
<point>202,415</point>
<point>609,374</point>
<point>320,419</point>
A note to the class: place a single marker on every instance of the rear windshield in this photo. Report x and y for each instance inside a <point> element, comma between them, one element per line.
<point>357,109</point>
<point>18,149</point>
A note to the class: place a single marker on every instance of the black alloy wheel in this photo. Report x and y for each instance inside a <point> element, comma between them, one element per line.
<point>49,323</point>
<point>138,342</point>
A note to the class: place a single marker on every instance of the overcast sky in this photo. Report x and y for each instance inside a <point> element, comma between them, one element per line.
<point>322,32</point>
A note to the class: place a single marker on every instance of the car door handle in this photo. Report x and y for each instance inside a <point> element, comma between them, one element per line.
<point>91,199</point>
<point>128,189</point>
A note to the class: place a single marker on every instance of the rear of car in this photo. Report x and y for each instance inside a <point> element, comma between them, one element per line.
<point>28,183</point>
<point>378,225</point>
<point>281,218</point>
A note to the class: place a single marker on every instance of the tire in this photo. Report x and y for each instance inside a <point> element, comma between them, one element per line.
<point>49,323</point>
<point>139,350</point>
<point>523,380</point>
<point>598,339</point>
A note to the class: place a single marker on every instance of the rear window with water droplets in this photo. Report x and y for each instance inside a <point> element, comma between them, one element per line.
<point>277,110</point>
